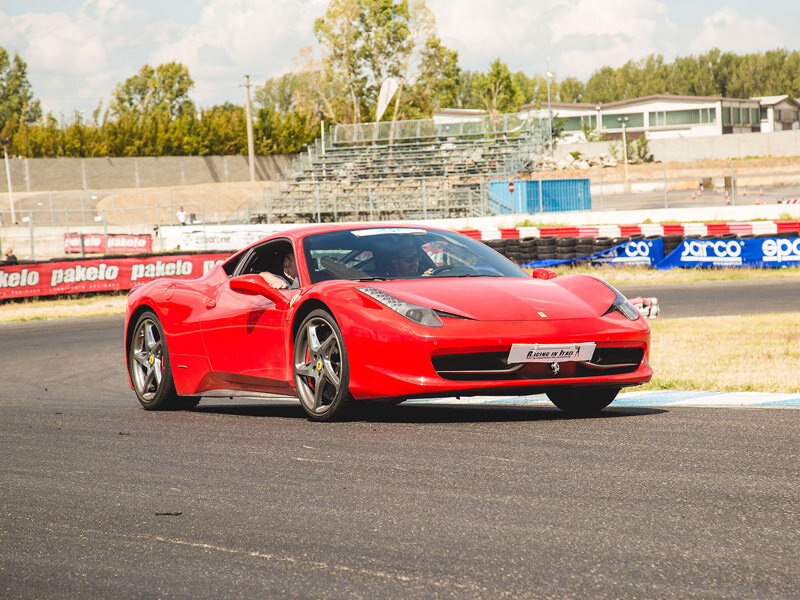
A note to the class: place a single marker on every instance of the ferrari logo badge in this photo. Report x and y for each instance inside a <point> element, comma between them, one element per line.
<point>554,367</point>
<point>152,359</point>
<point>319,365</point>
<point>541,314</point>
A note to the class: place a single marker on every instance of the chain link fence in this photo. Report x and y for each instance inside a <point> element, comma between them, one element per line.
<point>41,221</point>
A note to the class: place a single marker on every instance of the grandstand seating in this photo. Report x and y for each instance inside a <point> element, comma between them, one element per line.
<point>430,171</point>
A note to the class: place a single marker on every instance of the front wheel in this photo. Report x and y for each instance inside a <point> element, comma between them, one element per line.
<point>149,367</point>
<point>583,401</point>
<point>321,370</point>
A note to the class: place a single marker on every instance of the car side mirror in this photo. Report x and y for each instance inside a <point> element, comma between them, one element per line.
<point>543,274</point>
<point>255,285</point>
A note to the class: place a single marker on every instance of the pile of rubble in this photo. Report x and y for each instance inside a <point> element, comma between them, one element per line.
<point>570,162</point>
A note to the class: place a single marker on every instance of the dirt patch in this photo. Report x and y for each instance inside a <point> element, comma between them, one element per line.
<point>210,201</point>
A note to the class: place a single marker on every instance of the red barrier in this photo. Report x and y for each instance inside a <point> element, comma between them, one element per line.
<point>96,243</point>
<point>475,234</point>
<point>100,275</point>
<point>788,226</point>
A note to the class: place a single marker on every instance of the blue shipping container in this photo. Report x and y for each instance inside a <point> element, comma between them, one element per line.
<point>556,195</point>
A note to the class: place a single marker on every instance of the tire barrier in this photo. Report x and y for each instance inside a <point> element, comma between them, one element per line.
<point>667,252</point>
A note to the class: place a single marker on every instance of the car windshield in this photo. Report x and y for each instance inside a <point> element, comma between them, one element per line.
<point>401,253</point>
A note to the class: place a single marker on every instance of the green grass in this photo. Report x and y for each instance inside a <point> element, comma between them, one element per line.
<point>752,353</point>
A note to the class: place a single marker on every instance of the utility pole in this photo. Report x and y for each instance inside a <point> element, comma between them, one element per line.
<point>5,141</point>
<point>549,109</point>
<point>624,122</point>
<point>251,158</point>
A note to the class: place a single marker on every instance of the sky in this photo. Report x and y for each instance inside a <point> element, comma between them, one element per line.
<point>78,51</point>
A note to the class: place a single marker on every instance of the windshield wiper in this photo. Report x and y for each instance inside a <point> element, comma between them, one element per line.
<point>371,279</point>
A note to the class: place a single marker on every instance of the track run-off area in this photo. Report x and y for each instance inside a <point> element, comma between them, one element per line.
<point>662,495</point>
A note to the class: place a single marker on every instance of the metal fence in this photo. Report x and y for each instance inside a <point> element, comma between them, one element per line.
<point>424,130</point>
<point>44,219</point>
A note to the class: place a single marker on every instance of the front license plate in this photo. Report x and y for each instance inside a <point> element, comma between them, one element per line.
<point>549,353</point>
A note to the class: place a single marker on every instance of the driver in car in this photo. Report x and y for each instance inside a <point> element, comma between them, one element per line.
<point>288,280</point>
<point>407,262</point>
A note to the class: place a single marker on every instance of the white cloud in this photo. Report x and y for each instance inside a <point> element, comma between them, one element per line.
<point>579,36</point>
<point>232,38</point>
<point>72,58</point>
<point>78,51</point>
<point>75,59</point>
<point>728,30</point>
<point>482,31</point>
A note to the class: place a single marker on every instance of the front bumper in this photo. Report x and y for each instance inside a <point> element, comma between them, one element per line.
<point>398,362</point>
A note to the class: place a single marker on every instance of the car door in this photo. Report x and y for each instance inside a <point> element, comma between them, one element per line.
<point>245,335</point>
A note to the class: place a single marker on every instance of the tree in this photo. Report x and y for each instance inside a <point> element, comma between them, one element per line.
<point>16,95</point>
<point>421,31</point>
<point>570,90</point>
<point>165,88</point>
<point>385,44</point>
<point>339,34</point>
<point>438,83</point>
<point>364,43</point>
<point>497,90</point>
<point>278,93</point>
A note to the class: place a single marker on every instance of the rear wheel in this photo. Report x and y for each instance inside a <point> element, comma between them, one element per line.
<point>321,370</point>
<point>583,401</point>
<point>149,367</point>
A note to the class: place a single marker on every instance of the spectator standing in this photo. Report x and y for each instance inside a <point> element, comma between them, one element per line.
<point>10,258</point>
<point>181,215</point>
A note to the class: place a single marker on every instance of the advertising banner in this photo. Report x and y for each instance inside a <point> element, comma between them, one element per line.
<point>748,252</point>
<point>213,238</point>
<point>100,275</point>
<point>107,244</point>
<point>635,252</point>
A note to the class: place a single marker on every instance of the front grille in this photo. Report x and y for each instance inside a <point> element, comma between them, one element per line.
<point>494,366</point>
<point>611,361</point>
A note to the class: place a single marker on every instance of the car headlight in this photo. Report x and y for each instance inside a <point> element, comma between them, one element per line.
<point>413,312</point>
<point>621,304</point>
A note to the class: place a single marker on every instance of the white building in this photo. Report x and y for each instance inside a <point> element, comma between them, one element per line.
<point>667,116</point>
<point>779,113</point>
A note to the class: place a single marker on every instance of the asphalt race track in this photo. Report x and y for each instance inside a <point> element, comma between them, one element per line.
<point>101,499</point>
<point>712,298</point>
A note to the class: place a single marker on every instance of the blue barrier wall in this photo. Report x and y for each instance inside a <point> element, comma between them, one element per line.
<point>556,195</point>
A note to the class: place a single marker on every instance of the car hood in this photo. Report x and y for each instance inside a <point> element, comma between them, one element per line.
<point>506,298</point>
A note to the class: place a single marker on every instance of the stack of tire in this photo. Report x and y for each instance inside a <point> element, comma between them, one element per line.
<point>565,247</point>
<point>529,248</point>
<point>671,242</point>
<point>601,244</point>
<point>584,246</point>
<point>514,251</point>
<point>719,236</point>
<point>498,245</point>
<point>546,247</point>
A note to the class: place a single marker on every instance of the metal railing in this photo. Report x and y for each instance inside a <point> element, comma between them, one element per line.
<point>43,220</point>
<point>423,130</point>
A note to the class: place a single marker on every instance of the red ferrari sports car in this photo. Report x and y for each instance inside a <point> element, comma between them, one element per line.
<point>381,312</point>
